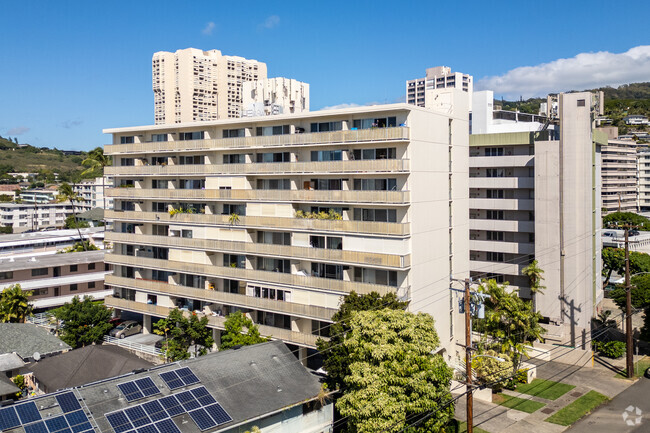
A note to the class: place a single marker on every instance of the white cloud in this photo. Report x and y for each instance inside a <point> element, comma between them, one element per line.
<point>71,123</point>
<point>18,130</point>
<point>340,106</point>
<point>584,71</point>
<point>271,21</point>
<point>209,27</point>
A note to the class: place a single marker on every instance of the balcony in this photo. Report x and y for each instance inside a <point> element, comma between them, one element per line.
<point>502,204</point>
<point>502,182</point>
<point>496,267</point>
<point>502,246</point>
<point>293,196</point>
<point>331,138</point>
<point>501,161</point>
<point>502,225</point>
<point>259,222</point>
<point>234,299</point>
<point>284,251</point>
<point>293,337</point>
<point>316,167</point>
<point>252,275</point>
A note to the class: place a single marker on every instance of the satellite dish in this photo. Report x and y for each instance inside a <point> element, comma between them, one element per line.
<point>37,356</point>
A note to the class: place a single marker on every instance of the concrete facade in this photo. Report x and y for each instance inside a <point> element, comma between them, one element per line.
<point>92,193</point>
<point>24,217</point>
<point>246,245</point>
<point>423,92</point>
<point>192,85</point>
<point>619,177</point>
<point>486,119</point>
<point>272,96</point>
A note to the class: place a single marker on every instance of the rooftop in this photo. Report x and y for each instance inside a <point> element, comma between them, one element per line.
<point>49,260</point>
<point>25,339</point>
<point>10,361</point>
<point>94,214</point>
<point>7,386</point>
<point>54,235</point>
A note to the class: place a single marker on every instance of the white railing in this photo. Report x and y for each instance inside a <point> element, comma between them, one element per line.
<point>151,350</point>
<point>45,320</point>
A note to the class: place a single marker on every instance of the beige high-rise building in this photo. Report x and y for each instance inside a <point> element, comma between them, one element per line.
<point>191,85</point>
<point>424,92</point>
<point>272,96</point>
<point>619,176</point>
<point>281,216</point>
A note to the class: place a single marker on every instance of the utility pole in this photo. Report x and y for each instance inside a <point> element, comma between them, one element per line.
<point>628,308</point>
<point>468,360</point>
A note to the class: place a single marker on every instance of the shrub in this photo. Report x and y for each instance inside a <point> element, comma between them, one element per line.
<point>492,371</point>
<point>611,349</point>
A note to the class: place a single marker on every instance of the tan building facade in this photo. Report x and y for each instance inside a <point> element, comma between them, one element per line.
<point>423,92</point>
<point>192,85</point>
<point>265,216</point>
<point>274,96</point>
<point>619,177</point>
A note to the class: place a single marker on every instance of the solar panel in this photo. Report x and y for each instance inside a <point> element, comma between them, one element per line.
<point>187,376</point>
<point>171,405</point>
<point>218,413</point>
<point>147,386</point>
<point>8,418</point>
<point>155,410</point>
<point>27,413</point>
<point>188,401</point>
<point>68,402</point>
<point>167,426</point>
<point>203,396</point>
<point>137,416</point>
<point>171,379</point>
<point>76,418</point>
<point>131,391</point>
<point>79,428</point>
<point>119,422</point>
<point>202,419</point>
<point>56,423</point>
<point>37,427</point>
<point>149,428</point>
<point>65,430</point>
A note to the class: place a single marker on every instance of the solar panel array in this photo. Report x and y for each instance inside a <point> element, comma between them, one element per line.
<point>155,416</point>
<point>179,378</point>
<point>138,389</point>
<point>73,419</point>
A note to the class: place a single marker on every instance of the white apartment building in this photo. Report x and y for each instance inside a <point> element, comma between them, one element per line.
<point>38,195</point>
<point>46,242</point>
<point>216,225</point>
<point>643,172</point>
<point>423,92</point>
<point>619,177</point>
<point>536,195</point>
<point>192,85</point>
<point>272,96</point>
<point>92,193</point>
<point>485,119</point>
<point>24,217</point>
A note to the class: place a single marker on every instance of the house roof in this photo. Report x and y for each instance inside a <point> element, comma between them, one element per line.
<point>85,365</point>
<point>50,260</point>
<point>7,386</point>
<point>25,339</point>
<point>94,214</point>
<point>9,187</point>
<point>10,361</point>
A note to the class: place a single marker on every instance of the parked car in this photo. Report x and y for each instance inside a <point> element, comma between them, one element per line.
<point>633,232</point>
<point>115,321</point>
<point>609,234</point>
<point>130,327</point>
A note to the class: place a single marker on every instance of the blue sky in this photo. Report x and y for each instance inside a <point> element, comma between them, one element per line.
<point>71,68</point>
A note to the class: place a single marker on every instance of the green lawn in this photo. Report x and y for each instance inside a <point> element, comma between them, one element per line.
<point>639,368</point>
<point>576,410</point>
<point>463,428</point>
<point>545,388</point>
<point>528,406</point>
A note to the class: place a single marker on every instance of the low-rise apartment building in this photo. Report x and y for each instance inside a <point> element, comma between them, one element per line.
<point>39,195</point>
<point>536,195</point>
<point>55,279</point>
<point>24,217</point>
<point>261,217</point>
<point>46,242</point>
<point>91,192</point>
<point>619,176</point>
<point>643,173</point>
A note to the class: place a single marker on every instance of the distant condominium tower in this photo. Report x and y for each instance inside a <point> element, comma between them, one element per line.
<point>423,91</point>
<point>274,96</point>
<point>191,85</point>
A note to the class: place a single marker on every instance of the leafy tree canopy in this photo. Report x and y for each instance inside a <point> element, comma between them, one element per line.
<point>640,293</point>
<point>335,356</point>
<point>614,261</point>
<point>14,304</point>
<point>84,322</point>
<point>621,218</point>
<point>181,333</point>
<point>71,224</point>
<point>240,330</point>
<point>394,379</point>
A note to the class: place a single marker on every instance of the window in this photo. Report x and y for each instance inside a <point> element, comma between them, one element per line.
<point>321,329</point>
<point>381,122</point>
<point>158,137</point>
<point>494,193</point>
<point>39,292</point>
<point>159,230</point>
<point>39,272</point>
<point>273,184</point>
<point>495,214</point>
<point>379,215</point>
<point>188,280</point>
<point>376,276</point>
<point>159,206</point>
<point>196,135</point>
<point>161,275</point>
<point>323,270</point>
<point>74,268</point>
<point>160,253</point>
<point>275,238</point>
<point>382,153</point>
<point>127,205</point>
<point>273,265</point>
<point>127,162</point>
<point>274,157</point>
<point>191,184</point>
<point>186,234</point>
<point>267,293</point>
<point>326,126</point>
<point>273,130</point>
<point>91,266</point>
<point>327,184</point>
<point>326,155</point>
<point>191,160</point>
<point>494,151</point>
<point>494,236</point>
<point>235,158</point>
<point>494,172</point>
<point>127,139</point>
<point>6,275</point>
<point>494,256</point>
<point>159,184</point>
<point>73,287</point>
<point>375,184</point>
<point>329,242</point>
<point>581,102</point>
<point>234,260</point>
<point>231,133</point>
<point>239,209</point>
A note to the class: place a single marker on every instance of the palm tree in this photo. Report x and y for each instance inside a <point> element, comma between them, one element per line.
<point>96,161</point>
<point>67,193</point>
<point>14,305</point>
<point>534,274</point>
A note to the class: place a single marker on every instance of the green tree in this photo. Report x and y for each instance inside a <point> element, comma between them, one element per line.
<point>614,261</point>
<point>335,355</point>
<point>95,162</point>
<point>621,218</point>
<point>5,198</point>
<point>510,320</point>
<point>183,332</point>
<point>240,330</point>
<point>535,277</point>
<point>84,321</point>
<point>640,293</point>
<point>490,370</point>
<point>394,379</point>
<point>14,304</point>
<point>71,223</point>
<point>67,193</point>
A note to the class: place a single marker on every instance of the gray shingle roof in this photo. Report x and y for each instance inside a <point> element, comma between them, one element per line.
<point>10,361</point>
<point>7,386</point>
<point>25,339</point>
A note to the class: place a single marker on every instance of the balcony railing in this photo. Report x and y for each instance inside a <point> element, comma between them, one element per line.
<point>350,166</point>
<point>233,299</point>
<point>308,253</point>
<point>400,133</point>
<point>260,222</point>
<point>252,275</point>
<point>306,196</point>
<point>214,322</point>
